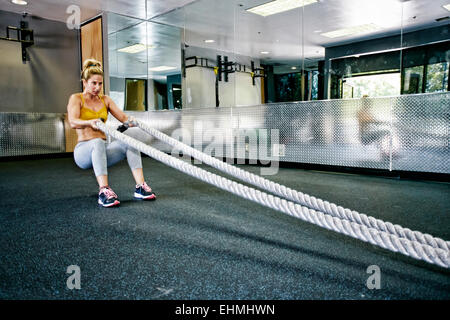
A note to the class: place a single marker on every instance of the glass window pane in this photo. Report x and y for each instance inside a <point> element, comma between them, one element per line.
<point>378,85</point>
<point>437,77</point>
<point>412,82</point>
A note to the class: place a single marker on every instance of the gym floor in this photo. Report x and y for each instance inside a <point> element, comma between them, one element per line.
<point>199,242</point>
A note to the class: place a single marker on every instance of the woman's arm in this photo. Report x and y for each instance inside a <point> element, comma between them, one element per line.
<point>73,113</point>
<point>115,110</point>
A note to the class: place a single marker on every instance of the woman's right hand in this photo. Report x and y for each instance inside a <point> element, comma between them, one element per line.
<point>92,123</point>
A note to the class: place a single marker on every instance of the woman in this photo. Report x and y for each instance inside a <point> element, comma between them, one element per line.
<point>92,151</point>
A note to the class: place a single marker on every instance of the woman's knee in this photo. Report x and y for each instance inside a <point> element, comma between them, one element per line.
<point>98,144</point>
<point>84,154</point>
<point>83,161</point>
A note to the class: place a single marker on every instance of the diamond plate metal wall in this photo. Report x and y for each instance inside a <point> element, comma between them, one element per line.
<point>408,133</point>
<point>421,133</point>
<point>31,133</point>
<point>328,132</point>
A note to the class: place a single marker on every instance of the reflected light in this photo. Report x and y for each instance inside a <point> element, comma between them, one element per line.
<point>364,28</point>
<point>277,6</point>
<point>161,68</point>
<point>447,6</point>
<point>135,48</point>
<point>19,2</point>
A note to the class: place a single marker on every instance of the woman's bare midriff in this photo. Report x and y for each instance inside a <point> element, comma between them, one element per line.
<point>86,134</point>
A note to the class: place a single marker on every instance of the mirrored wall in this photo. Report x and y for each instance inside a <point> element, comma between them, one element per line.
<point>214,53</point>
<point>357,83</point>
<point>144,64</point>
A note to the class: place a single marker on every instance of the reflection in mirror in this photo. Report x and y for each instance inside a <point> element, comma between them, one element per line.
<point>209,52</point>
<point>362,48</point>
<point>389,53</point>
<point>374,62</point>
<point>263,36</point>
<point>164,65</point>
<point>426,47</point>
<point>142,50</point>
<point>315,50</point>
<point>135,94</point>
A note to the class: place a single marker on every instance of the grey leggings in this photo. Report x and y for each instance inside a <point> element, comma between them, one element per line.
<point>100,155</point>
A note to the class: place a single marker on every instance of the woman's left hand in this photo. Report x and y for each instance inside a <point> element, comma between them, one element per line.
<point>131,122</point>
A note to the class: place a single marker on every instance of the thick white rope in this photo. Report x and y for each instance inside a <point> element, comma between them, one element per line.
<point>297,196</point>
<point>383,239</point>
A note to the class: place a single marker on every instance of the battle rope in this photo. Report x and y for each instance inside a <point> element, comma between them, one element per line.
<point>297,196</point>
<point>383,239</point>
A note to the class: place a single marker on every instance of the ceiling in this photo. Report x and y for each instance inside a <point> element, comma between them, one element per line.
<point>56,9</point>
<point>164,50</point>
<point>292,38</point>
<point>294,34</point>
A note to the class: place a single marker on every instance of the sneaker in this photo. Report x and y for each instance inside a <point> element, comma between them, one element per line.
<point>107,197</point>
<point>144,192</point>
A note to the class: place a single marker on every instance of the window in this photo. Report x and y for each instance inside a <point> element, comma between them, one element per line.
<point>377,85</point>
<point>413,80</point>
<point>437,77</point>
<point>426,78</point>
<point>287,87</point>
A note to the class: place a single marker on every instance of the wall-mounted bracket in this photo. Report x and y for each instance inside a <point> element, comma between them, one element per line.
<point>225,67</point>
<point>256,72</point>
<point>23,35</point>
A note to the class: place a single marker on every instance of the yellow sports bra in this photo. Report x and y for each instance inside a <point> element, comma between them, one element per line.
<point>89,114</point>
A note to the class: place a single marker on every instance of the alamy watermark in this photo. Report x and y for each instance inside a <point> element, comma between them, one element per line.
<point>374,281</point>
<point>74,280</point>
<point>74,19</point>
<point>227,144</point>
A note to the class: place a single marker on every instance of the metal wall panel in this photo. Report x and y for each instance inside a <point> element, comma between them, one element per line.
<point>31,133</point>
<point>408,133</point>
<point>328,132</point>
<point>421,133</point>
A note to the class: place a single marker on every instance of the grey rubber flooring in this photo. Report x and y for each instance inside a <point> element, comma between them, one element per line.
<point>199,242</point>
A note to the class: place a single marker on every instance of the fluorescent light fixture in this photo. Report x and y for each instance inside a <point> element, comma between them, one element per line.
<point>19,2</point>
<point>209,41</point>
<point>294,68</point>
<point>277,6</point>
<point>161,68</point>
<point>135,48</point>
<point>364,28</point>
<point>264,52</point>
<point>447,6</point>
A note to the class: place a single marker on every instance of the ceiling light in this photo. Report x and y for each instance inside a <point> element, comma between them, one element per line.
<point>161,68</point>
<point>447,6</point>
<point>365,28</point>
<point>293,68</point>
<point>19,2</point>
<point>135,48</point>
<point>264,52</point>
<point>209,41</point>
<point>278,6</point>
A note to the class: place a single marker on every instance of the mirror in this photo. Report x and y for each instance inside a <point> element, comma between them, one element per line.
<point>146,56</point>
<point>135,95</point>
<point>364,47</point>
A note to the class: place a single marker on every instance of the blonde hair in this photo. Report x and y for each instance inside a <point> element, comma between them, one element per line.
<point>91,67</point>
